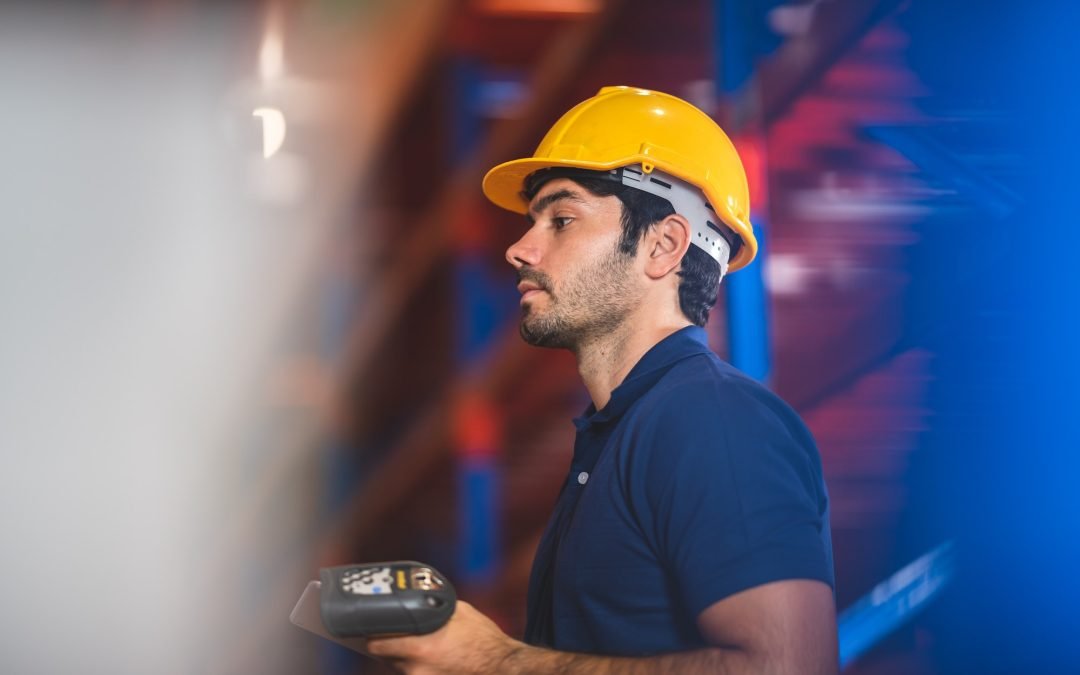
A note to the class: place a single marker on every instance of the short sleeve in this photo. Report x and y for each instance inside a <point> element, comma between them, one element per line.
<point>735,492</point>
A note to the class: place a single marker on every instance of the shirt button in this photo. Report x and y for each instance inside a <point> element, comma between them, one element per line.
<point>583,477</point>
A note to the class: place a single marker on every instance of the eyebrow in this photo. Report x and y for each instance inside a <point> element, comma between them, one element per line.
<point>548,200</point>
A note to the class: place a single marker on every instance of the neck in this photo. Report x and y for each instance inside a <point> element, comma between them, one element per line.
<point>605,360</point>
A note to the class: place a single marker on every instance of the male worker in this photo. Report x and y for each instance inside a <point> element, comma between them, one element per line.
<point>692,534</point>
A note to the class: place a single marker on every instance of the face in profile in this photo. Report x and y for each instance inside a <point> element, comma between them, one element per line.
<point>576,285</point>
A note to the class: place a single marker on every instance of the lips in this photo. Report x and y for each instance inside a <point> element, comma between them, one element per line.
<point>532,282</point>
<point>528,289</point>
<point>528,294</point>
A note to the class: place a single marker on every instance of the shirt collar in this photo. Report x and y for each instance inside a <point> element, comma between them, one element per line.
<point>646,372</point>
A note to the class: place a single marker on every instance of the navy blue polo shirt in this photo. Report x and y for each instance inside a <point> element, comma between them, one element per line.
<point>693,483</point>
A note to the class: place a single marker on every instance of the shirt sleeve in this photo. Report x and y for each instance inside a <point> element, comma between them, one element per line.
<point>735,492</point>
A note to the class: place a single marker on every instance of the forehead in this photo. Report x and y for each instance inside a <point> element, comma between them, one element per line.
<point>560,191</point>
<point>554,189</point>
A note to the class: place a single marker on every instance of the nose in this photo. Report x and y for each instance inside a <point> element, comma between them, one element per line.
<point>523,252</point>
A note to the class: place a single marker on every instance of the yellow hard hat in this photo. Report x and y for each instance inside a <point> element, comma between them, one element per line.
<point>621,126</point>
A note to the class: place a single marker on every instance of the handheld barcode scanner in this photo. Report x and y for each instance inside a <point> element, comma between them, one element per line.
<point>375,600</point>
<point>398,598</point>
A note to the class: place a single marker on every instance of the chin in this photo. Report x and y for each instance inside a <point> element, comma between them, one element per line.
<point>540,333</point>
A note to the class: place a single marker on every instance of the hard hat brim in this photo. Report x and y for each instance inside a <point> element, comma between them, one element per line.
<point>503,184</point>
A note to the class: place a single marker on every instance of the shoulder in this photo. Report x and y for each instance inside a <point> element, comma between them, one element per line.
<point>705,418</point>
<point>702,395</point>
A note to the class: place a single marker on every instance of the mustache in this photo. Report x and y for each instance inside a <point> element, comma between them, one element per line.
<point>535,276</point>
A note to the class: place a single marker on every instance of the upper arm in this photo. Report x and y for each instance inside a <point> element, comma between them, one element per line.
<point>737,509</point>
<point>782,627</point>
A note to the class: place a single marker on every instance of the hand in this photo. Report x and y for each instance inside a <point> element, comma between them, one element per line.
<point>469,643</point>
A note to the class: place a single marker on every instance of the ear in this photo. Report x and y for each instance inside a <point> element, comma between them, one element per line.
<point>665,245</point>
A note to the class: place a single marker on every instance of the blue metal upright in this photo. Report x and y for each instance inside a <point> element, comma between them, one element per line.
<point>748,317</point>
<point>747,299</point>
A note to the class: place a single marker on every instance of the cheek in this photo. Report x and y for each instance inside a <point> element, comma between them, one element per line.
<point>573,261</point>
<point>590,275</point>
<point>589,252</point>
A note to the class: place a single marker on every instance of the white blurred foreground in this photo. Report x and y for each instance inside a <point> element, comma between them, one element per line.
<point>154,259</point>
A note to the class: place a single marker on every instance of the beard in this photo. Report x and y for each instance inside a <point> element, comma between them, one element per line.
<point>593,302</point>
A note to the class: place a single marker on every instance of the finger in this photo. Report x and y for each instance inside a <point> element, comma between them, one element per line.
<point>397,646</point>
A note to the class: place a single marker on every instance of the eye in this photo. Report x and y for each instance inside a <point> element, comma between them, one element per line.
<point>560,222</point>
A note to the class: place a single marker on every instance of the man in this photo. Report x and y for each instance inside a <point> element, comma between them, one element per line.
<point>692,532</point>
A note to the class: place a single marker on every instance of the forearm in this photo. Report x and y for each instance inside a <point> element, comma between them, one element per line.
<point>526,659</point>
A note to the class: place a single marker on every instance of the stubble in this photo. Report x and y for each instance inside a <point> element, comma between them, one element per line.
<point>589,305</point>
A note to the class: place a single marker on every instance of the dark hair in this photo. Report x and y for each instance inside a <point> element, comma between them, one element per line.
<point>699,277</point>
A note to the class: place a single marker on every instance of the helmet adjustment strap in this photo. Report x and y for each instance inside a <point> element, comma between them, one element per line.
<point>688,201</point>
